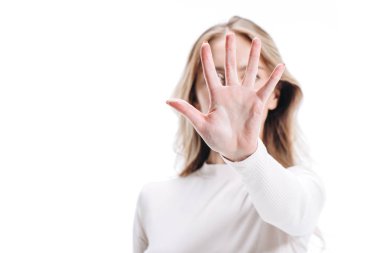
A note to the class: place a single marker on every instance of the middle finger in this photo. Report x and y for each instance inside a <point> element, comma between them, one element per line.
<point>230,60</point>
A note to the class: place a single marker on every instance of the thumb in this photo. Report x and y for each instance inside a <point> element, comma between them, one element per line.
<point>187,110</point>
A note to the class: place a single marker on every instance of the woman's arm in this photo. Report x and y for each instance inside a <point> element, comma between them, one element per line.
<point>288,198</point>
<point>140,241</point>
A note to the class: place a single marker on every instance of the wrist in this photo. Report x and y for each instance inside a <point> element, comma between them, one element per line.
<point>241,155</point>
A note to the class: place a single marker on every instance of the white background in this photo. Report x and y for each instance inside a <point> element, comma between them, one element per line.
<point>84,124</point>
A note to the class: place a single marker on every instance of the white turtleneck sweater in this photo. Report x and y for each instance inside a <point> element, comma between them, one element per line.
<point>253,205</point>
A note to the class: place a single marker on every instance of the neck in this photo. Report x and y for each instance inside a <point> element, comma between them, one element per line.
<point>214,158</point>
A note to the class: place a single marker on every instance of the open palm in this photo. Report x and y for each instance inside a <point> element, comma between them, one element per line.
<point>232,124</point>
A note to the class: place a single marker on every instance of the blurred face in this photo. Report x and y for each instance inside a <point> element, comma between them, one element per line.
<point>243,47</point>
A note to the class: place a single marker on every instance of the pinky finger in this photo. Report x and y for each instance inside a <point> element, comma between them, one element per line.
<point>268,88</point>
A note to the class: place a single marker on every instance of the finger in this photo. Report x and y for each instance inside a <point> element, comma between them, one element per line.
<point>230,60</point>
<point>196,117</point>
<point>253,63</point>
<point>268,88</point>
<point>209,72</point>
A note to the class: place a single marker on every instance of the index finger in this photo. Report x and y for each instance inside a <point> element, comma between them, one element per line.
<point>208,66</point>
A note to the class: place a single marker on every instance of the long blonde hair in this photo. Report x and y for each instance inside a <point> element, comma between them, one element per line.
<point>280,125</point>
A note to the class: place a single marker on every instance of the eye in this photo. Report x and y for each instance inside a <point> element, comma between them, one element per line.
<point>221,78</point>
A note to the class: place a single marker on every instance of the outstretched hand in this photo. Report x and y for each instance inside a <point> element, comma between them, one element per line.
<point>232,124</point>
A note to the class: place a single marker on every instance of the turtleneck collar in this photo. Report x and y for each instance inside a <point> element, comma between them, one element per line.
<point>214,167</point>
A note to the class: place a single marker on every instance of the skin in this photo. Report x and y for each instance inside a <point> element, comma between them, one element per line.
<point>230,114</point>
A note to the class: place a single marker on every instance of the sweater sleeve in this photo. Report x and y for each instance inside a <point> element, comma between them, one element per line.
<point>288,198</point>
<point>140,241</point>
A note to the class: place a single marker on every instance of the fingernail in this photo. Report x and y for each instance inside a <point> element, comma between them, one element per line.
<point>230,33</point>
<point>170,100</point>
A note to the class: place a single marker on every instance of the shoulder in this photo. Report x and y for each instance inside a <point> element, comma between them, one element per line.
<point>153,189</point>
<point>157,194</point>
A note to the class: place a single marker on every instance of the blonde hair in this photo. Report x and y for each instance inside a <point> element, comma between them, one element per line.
<point>280,125</point>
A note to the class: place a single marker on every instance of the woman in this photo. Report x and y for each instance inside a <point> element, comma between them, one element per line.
<point>240,189</point>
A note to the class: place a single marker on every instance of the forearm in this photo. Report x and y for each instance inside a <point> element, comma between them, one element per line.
<point>290,199</point>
